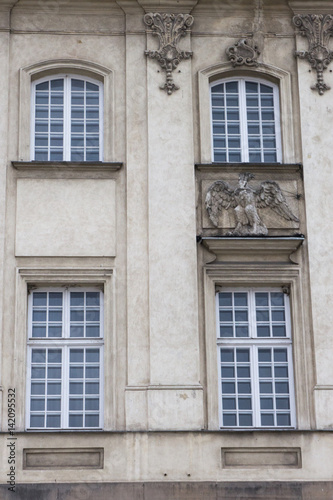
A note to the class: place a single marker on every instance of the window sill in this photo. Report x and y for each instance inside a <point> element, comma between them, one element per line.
<point>67,166</point>
<point>244,167</point>
<point>253,248</point>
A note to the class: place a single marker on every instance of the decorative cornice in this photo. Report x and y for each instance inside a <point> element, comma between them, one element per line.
<point>243,52</point>
<point>169,28</point>
<point>318,28</point>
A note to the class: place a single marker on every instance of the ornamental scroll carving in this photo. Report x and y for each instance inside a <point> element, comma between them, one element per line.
<point>245,202</point>
<point>243,52</point>
<point>318,29</point>
<point>169,28</point>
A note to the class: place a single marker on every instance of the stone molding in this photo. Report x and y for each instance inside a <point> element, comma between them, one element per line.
<point>318,28</point>
<point>169,28</point>
<point>243,52</point>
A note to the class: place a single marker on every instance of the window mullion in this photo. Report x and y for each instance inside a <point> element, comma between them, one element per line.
<point>256,387</point>
<point>243,121</point>
<point>67,118</point>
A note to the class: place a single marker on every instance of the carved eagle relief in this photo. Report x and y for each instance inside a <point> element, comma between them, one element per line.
<point>245,201</point>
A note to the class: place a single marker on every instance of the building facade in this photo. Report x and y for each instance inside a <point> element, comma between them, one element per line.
<point>166,262</point>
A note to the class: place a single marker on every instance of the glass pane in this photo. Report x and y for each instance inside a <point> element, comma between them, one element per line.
<point>92,331</point>
<point>38,356</point>
<point>261,299</point>
<point>282,404</point>
<point>228,388</point>
<point>37,372</point>
<point>219,156</point>
<point>76,372</point>
<point>54,404</point>
<point>55,315</point>
<point>281,387</point>
<point>77,315</point>
<point>39,299</point>
<point>92,387</point>
<point>241,315</point>
<point>264,355</point>
<point>229,403</point>
<point>266,403</point>
<point>266,388</point>
<point>92,87</point>
<point>262,315</point>
<point>54,356</point>
<point>280,355</point>
<point>267,419</point>
<point>265,371</point>
<point>244,403</point>
<point>77,298</point>
<point>76,331</point>
<point>283,419</point>
<point>226,331</point>
<point>245,419</point>
<point>53,388</point>
<point>76,388</point>
<point>244,388</point>
<point>54,372</point>
<point>92,420</point>
<point>251,87</point>
<point>265,89</point>
<point>279,331</point>
<point>76,355</point>
<point>218,88</point>
<point>92,298</point>
<point>243,355</point>
<point>92,355</point>
<point>77,85</point>
<point>75,420</point>
<point>38,331</point>
<point>240,299</point>
<point>92,404</point>
<point>243,372</point>
<point>229,419</point>
<point>227,355</point>
<point>225,299</point>
<point>231,87</point>
<point>92,315</point>
<point>75,404</point>
<point>277,299</point>
<point>226,315</point>
<point>37,404</point>
<point>242,331</point>
<point>92,371</point>
<point>37,388</point>
<point>39,315</point>
<point>37,421</point>
<point>54,331</point>
<point>263,331</point>
<point>227,372</point>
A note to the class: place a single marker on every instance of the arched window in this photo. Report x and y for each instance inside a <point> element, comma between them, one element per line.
<point>67,118</point>
<point>245,121</point>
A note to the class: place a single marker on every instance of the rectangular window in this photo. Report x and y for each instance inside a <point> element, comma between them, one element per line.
<point>67,119</point>
<point>245,121</point>
<point>65,358</point>
<point>255,358</point>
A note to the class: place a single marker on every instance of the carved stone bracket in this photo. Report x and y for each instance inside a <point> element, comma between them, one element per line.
<point>243,52</point>
<point>169,28</point>
<point>318,29</point>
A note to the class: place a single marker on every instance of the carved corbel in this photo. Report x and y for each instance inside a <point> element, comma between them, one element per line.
<point>318,29</point>
<point>169,28</point>
<point>243,52</point>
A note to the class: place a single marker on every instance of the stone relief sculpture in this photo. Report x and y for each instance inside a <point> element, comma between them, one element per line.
<point>243,52</point>
<point>245,201</point>
<point>169,28</point>
<point>318,29</point>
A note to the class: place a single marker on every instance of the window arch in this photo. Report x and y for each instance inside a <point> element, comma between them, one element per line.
<point>245,120</point>
<point>67,119</point>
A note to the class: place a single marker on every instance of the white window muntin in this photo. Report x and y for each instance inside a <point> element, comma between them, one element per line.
<point>262,418</point>
<point>91,411</point>
<point>236,145</point>
<point>58,139</point>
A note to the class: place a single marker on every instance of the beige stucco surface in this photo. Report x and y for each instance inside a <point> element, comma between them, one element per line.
<point>65,218</point>
<point>133,232</point>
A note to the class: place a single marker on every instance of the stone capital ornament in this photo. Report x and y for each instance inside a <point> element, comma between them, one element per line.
<point>318,28</point>
<point>169,28</point>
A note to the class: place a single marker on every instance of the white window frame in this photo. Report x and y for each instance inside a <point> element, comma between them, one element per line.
<point>253,343</point>
<point>243,116</point>
<point>65,343</point>
<point>67,112</point>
